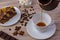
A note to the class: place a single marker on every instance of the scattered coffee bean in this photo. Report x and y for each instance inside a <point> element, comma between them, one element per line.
<point>34,13</point>
<point>21,33</point>
<point>17,28</point>
<point>22,21</point>
<point>15,33</point>
<point>25,23</point>
<point>31,7</point>
<point>26,10</point>
<point>24,18</point>
<point>19,6</point>
<point>30,17</point>
<point>22,24</point>
<point>9,29</point>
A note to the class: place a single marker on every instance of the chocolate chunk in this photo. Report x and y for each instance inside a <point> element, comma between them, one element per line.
<point>15,33</point>
<point>17,28</point>
<point>21,33</point>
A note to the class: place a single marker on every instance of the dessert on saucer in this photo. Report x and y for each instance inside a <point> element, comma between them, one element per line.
<point>9,15</point>
<point>6,14</point>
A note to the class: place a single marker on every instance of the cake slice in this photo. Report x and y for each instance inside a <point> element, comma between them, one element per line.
<point>6,14</point>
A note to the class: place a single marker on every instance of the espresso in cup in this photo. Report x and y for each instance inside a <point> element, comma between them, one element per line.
<point>41,24</point>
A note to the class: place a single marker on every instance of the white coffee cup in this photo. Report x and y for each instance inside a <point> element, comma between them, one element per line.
<point>45,19</point>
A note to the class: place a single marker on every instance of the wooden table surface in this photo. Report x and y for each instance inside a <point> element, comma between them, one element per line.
<point>55,14</point>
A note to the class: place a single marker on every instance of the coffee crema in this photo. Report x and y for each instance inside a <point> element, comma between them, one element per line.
<point>42,24</point>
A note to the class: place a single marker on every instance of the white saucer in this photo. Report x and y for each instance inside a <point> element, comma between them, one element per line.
<point>32,31</point>
<point>14,19</point>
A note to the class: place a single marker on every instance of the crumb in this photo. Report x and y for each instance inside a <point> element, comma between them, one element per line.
<point>15,33</point>
<point>21,33</point>
<point>17,28</point>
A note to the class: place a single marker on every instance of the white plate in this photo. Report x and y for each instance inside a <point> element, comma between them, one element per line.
<point>14,19</point>
<point>38,35</point>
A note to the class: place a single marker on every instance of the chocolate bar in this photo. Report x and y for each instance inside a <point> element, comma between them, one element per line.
<point>5,36</point>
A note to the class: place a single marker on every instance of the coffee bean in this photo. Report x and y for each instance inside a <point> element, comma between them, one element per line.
<point>21,33</point>
<point>22,21</point>
<point>19,6</point>
<point>25,23</point>
<point>17,28</point>
<point>15,33</point>
<point>31,7</point>
<point>9,29</point>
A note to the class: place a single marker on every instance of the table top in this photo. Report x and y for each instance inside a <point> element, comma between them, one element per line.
<point>55,14</point>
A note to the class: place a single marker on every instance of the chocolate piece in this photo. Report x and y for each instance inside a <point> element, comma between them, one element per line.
<point>17,28</point>
<point>15,33</point>
<point>21,33</point>
<point>30,9</point>
<point>3,35</point>
<point>6,36</point>
<point>12,38</point>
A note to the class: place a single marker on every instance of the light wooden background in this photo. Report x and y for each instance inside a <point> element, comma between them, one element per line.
<point>55,14</point>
